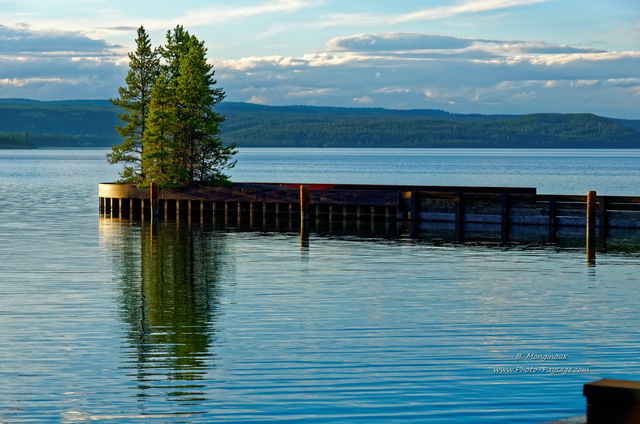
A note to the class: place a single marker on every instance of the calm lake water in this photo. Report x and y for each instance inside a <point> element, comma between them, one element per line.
<point>116,322</point>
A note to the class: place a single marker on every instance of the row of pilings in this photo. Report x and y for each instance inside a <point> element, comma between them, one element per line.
<point>381,206</point>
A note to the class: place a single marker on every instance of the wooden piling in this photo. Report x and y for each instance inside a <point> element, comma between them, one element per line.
<point>504,216</point>
<point>415,206</point>
<point>305,200</point>
<point>553,221</point>
<point>591,227</point>
<point>459,215</point>
<point>153,199</point>
<point>334,203</point>
<point>304,215</point>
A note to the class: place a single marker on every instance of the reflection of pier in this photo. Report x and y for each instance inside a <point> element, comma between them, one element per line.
<point>509,213</point>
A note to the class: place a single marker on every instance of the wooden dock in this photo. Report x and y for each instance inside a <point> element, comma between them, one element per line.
<point>503,206</point>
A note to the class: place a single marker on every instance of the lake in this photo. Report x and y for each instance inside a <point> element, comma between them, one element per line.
<point>110,321</point>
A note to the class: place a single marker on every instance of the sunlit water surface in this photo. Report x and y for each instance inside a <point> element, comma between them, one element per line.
<point>116,322</point>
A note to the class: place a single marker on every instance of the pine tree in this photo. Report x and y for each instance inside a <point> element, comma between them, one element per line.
<point>134,98</point>
<point>203,154</point>
<point>158,141</point>
<point>172,137</point>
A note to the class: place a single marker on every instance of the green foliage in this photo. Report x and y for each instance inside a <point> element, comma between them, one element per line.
<point>133,100</point>
<point>159,145</point>
<point>172,136</point>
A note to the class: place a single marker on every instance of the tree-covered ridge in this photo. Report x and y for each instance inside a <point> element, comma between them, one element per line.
<point>91,123</point>
<point>82,123</point>
<point>335,127</point>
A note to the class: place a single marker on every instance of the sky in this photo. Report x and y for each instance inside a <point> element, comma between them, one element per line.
<point>462,56</point>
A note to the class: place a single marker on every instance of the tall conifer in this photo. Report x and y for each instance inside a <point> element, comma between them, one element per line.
<point>196,95</point>
<point>159,146</point>
<point>134,98</point>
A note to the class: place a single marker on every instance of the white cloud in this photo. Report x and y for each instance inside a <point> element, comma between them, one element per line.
<point>217,13</point>
<point>257,100</point>
<point>432,13</point>
<point>53,65</point>
<point>248,63</point>
<point>469,6</point>
<point>311,93</point>
<point>363,100</point>
<point>461,75</point>
<point>395,69</point>
<point>24,40</point>
<point>396,41</point>
<point>563,59</point>
<point>22,82</point>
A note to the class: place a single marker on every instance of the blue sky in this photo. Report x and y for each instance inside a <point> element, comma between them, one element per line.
<point>466,56</point>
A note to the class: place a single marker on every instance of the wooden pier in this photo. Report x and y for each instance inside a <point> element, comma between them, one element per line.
<point>462,206</point>
<point>609,401</point>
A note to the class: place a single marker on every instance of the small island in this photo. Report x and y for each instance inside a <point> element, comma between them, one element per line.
<point>15,141</point>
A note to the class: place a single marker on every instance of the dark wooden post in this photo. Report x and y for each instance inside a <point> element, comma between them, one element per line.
<point>613,401</point>
<point>153,199</point>
<point>459,215</point>
<point>304,215</point>
<point>414,206</point>
<point>553,221</point>
<point>591,227</point>
<point>304,203</point>
<point>115,207</point>
<point>504,215</point>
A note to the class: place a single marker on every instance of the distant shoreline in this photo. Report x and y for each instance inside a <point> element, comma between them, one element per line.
<point>16,147</point>
<point>92,124</point>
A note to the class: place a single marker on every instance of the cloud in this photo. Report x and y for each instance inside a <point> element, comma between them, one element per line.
<point>470,6</point>
<point>22,82</point>
<point>257,100</point>
<point>396,41</point>
<point>364,100</point>
<point>222,14</point>
<point>26,41</point>
<point>432,13</point>
<point>53,65</point>
<point>393,70</point>
<point>403,70</point>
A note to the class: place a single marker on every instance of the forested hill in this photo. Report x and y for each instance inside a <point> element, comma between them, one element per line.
<point>92,122</point>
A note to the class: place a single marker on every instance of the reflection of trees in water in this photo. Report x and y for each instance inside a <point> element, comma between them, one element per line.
<point>169,299</point>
